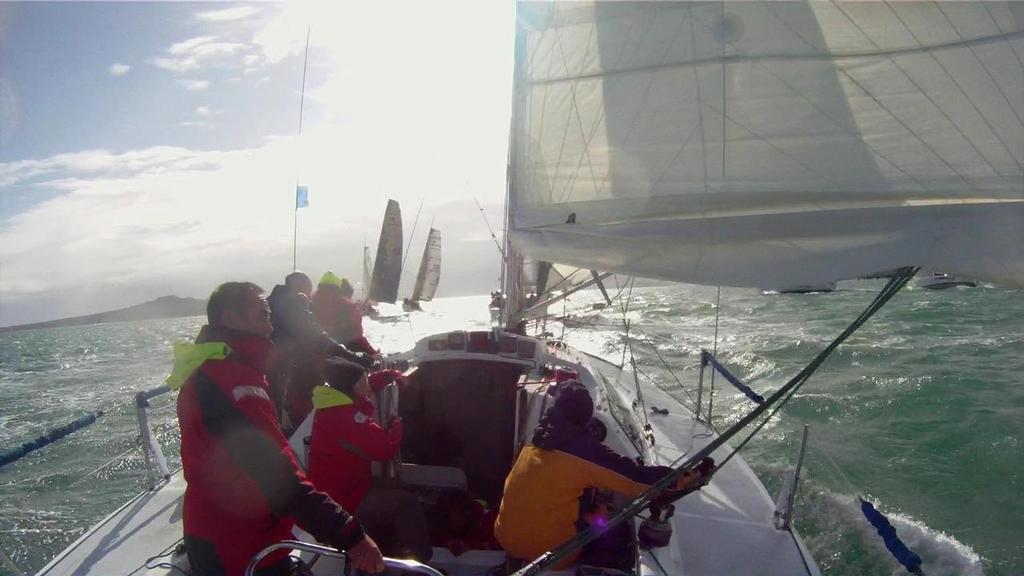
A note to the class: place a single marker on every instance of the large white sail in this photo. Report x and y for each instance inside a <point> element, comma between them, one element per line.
<point>770,143</point>
<point>430,268</point>
<point>387,270</point>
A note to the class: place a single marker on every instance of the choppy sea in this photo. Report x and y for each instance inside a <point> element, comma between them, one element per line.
<point>921,411</point>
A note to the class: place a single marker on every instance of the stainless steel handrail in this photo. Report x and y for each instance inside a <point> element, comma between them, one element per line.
<point>410,566</point>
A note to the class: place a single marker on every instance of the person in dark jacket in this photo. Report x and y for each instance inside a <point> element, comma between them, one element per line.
<point>345,440</point>
<point>304,345</point>
<point>540,508</point>
<point>339,315</point>
<point>245,490</point>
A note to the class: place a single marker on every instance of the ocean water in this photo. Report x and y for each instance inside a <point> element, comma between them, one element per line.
<point>922,410</point>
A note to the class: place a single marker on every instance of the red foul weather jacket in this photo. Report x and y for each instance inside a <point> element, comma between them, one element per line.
<point>245,490</point>
<point>341,318</point>
<point>346,439</point>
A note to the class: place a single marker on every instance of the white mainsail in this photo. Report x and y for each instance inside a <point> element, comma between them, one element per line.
<point>387,271</point>
<point>770,143</point>
<point>430,268</point>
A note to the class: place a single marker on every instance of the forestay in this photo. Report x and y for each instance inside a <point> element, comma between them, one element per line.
<point>770,143</point>
<point>430,268</point>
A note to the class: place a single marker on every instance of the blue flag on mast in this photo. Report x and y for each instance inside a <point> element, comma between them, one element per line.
<point>301,197</point>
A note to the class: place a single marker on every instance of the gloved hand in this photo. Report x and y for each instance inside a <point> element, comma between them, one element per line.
<point>697,477</point>
<point>364,360</point>
<point>693,480</point>
<point>382,378</point>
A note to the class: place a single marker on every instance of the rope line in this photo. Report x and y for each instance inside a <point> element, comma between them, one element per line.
<point>569,546</point>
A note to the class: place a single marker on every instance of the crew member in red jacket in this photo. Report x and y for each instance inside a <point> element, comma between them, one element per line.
<point>345,441</point>
<point>245,490</point>
<point>338,315</point>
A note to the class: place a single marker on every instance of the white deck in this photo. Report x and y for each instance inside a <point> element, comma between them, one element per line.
<point>148,525</point>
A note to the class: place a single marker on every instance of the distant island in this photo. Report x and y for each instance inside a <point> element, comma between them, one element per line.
<point>163,307</point>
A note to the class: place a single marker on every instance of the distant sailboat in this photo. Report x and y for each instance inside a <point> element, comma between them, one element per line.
<point>387,270</point>
<point>941,281</point>
<point>366,305</point>
<point>429,274</point>
<point>367,272</point>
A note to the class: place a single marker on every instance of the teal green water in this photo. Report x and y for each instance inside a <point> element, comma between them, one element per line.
<point>922,411</point>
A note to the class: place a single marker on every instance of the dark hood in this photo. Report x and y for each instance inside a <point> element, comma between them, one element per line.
<point>555,431</point>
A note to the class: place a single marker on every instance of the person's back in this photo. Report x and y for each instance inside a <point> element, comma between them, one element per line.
<point>245,490</point>
<point>541,503</point>
<point>339,316</point>
<point>304,345</point>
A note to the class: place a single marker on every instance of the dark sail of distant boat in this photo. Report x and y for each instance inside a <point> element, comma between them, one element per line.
<point>430,268</point>
<point>387,270</point>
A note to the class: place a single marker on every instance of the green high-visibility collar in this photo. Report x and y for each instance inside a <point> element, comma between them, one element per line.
<point>188,357</point>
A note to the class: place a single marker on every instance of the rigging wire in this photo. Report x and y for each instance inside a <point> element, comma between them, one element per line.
<point>489,229</point>
<point>405,257</point>
<point>581,539</point>
<point>107,463</point>
<point>714,352</point>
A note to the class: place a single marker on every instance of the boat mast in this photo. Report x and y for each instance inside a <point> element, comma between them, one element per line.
<point>302,98</point>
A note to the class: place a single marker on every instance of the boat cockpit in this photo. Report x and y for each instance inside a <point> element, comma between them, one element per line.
<point>470,402</point>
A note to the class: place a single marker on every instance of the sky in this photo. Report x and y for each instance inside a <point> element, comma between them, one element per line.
<point>150,148</point>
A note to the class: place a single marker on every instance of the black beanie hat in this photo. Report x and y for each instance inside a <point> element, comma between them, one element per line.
<point>574,402</point>
<point>342,375</point>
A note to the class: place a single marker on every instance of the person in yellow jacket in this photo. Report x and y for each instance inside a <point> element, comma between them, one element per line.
<point>540,508</point>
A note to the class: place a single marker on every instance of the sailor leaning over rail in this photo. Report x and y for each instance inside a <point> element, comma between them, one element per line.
<point>541,505</point>
<point>245,490</point>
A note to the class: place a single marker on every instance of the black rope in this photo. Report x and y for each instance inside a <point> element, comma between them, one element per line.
<point>569,546</point>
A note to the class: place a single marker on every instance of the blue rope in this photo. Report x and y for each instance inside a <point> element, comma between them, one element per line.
<point>52,436</point>
<point>709,359</point>
<point>899,550</point>
<point>48,438</point>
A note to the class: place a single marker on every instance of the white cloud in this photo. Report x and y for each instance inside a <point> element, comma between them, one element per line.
<point>203,110</point>
<point>194,85</point>
<point>186,46</point>
<point>174,219</point>
<point>227,14</point>
<point>200,53</point>
<point>119,69</point>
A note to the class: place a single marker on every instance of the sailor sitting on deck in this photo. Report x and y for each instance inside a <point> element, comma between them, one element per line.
<point>339,315</point>
<point>245,490</point>
<point>541,505</point>
<point>345,440</point>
